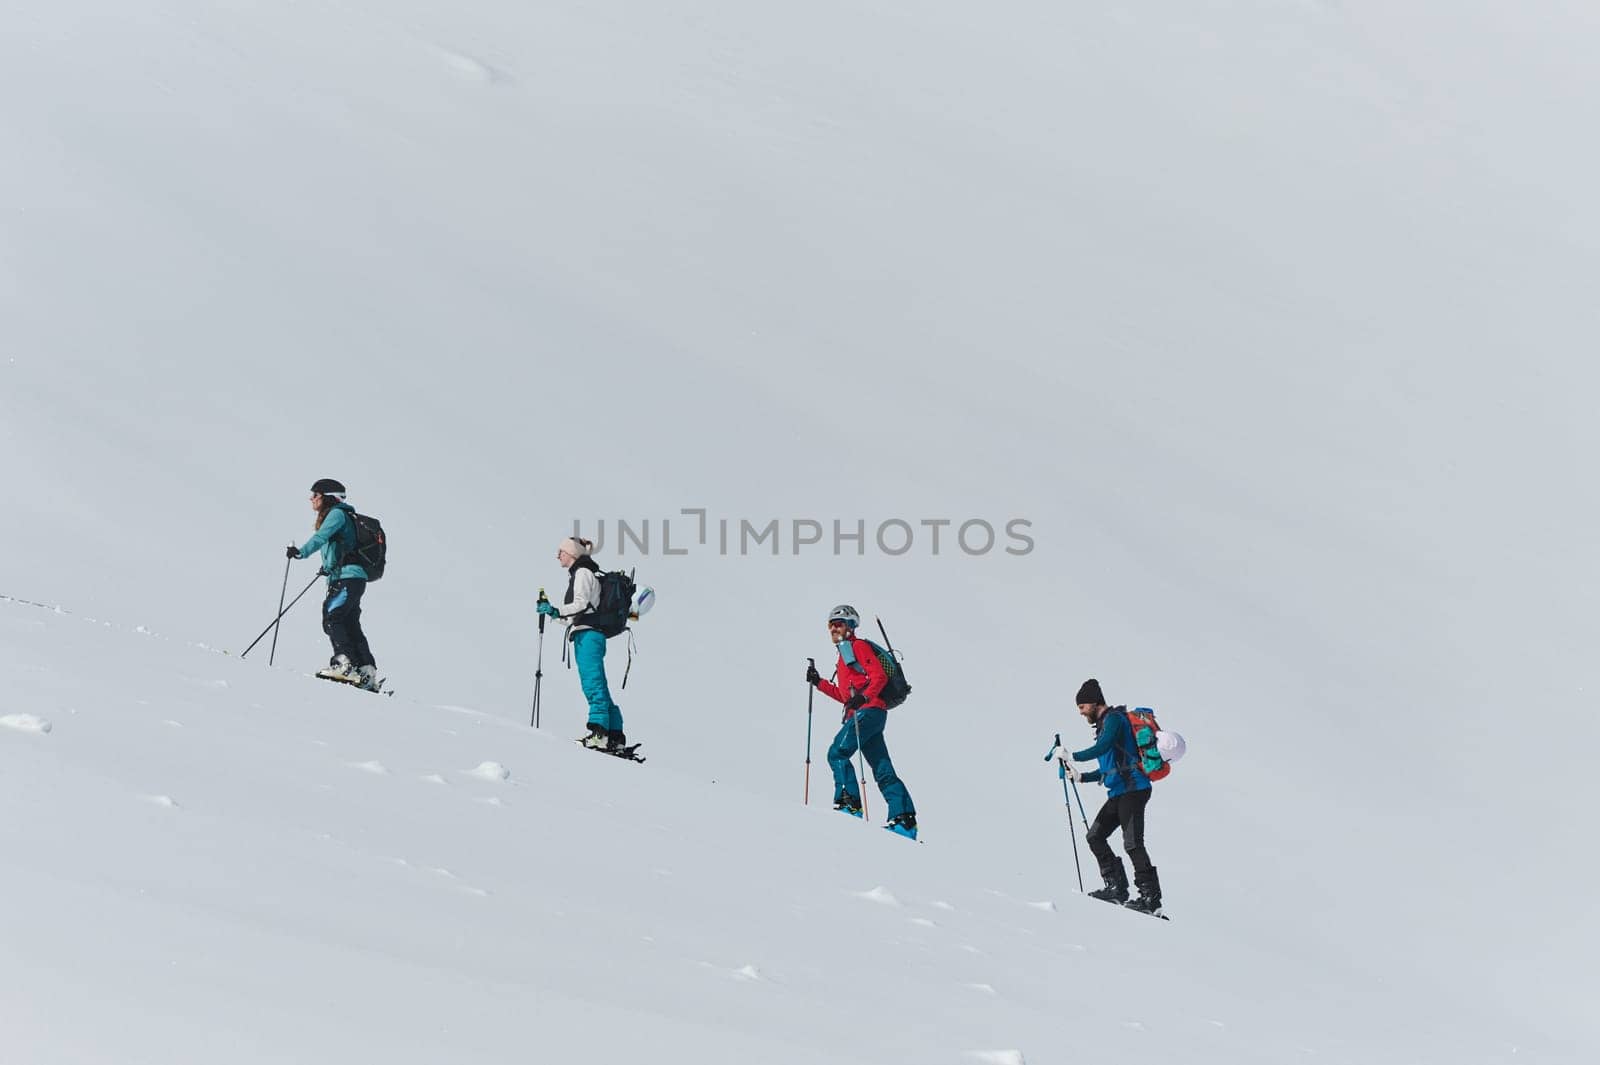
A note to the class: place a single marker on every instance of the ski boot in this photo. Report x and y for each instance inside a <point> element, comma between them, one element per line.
<point>595,738</point>
<point>903,825</point>
<point>848,804</point>
<point>1149,900</point>
<point>368,678</point>
<point>615,741</point>
<point>340,669</point>
<point>1116,883</point>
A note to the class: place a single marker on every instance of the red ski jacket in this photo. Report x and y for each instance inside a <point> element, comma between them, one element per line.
<point>859,671</point>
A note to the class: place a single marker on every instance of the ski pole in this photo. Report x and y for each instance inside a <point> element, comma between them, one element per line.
<point>538,669</point>
<point>811,692</point>
<point>1081,814</point>
<point>1061,768</point>
<point>279,618</point>
<point>277,622</point>
<point>861,760</point>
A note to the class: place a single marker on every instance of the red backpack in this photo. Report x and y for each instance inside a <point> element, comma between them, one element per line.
<point>1142,723</point>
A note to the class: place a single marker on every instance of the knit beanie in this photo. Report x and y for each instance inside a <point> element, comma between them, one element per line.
<point>1091,693</point>
<point>577,548</point>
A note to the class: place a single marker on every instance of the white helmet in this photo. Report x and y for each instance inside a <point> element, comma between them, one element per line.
<point>845,613</point>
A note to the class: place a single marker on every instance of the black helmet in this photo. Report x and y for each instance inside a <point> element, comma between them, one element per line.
<point>327,486</point>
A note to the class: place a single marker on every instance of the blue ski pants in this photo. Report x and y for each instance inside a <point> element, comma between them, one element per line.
<point>870,722</point>
<point>589,649</point>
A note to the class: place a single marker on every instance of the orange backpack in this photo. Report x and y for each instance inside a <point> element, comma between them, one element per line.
<point>1142,723</point>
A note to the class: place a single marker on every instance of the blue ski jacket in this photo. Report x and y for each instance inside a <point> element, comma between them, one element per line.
<point>335,539</point>
<point>1117,755</point>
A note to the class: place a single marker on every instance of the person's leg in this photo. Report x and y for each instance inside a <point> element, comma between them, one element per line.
<point>1144,872</point>
<point>1130,816</point>
<point>876,750</point>
<point>840,752</point>
<point>1112,872</point>
<point>589,649</point>
<point>360,653</point>
<point>335,621</point>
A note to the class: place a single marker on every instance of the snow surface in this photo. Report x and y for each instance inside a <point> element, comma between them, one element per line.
<point>1274,319</point>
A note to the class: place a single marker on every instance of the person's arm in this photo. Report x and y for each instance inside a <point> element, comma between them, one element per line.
<point>585,593</point>
<point>1111,734</point>
<point>331,527</point>
<point>830,689</point>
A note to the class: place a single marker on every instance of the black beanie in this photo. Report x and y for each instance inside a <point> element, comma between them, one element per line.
<point>1091,693</point>
<point>327,486</point>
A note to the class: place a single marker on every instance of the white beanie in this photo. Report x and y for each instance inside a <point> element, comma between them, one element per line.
<point>575,547</point>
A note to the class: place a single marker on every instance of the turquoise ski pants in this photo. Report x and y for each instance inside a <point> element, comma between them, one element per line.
<point>589,649</point>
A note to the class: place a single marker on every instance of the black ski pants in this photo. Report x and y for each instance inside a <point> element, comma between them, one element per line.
<point>341,620</point>
<point>1126,812</point>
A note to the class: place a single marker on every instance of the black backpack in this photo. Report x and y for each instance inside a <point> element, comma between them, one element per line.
<point>371,548</point>
<point>609,616</point>
<point>895,692</point>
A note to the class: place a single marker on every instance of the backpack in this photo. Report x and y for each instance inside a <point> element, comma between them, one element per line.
<point>895,692</point>
<point>610,615</point>
<point>1146,734</point>
<point>371,548</point>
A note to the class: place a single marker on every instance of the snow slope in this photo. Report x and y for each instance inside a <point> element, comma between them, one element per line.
<point>1272,318</point>
<point>210,861</point>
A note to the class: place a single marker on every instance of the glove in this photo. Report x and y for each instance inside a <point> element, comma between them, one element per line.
<point>813,678</point>
<point>856,701</point>
<point>548,609</point>
<point>291,552</point>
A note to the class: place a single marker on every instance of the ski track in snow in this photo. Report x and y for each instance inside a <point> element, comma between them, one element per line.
<point>375,767</point>
<point>26,723</point>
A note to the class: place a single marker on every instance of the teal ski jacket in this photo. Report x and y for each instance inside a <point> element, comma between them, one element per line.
<point>336,539</point>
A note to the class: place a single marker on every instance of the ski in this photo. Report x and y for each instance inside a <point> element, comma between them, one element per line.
<point>356,684</point>
<point>629,753</point>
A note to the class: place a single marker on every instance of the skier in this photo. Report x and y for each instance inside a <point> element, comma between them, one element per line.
<point>860,685</point>
<point>335,537</point>
<point>588,645</point>
<point>1127,793</point>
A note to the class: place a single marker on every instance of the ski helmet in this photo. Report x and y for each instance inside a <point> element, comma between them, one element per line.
<point>845,613</point>
<point>327,486</point>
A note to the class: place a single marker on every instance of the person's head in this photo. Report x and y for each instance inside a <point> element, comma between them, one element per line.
<point>572,549</point>
<point>842,622</point>
<point>1091,700</point>
<point>324,494</point>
